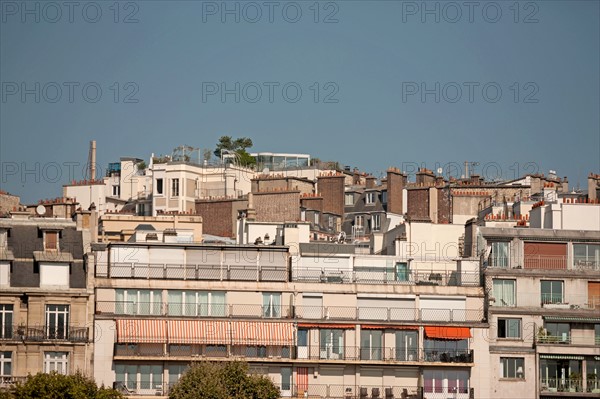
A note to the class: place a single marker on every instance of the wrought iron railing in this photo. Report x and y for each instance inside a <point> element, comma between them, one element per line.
<point>45,333</point>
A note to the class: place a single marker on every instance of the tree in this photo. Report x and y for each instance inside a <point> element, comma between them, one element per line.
<point>238,146</point>
<point>223,380</point>
<point>59,386</point>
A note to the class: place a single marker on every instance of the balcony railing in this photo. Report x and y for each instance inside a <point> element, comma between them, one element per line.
<point>566,339</point>
<point>331,313</point>
<point>345,353</point>
<point>321,391</point>
<point>551,301</point>
<point>45,333</point>
<point>8,380</point>
<point>376,276</point>
<point>561,385</point>
<point>545,262</point>
<point>216,272</point>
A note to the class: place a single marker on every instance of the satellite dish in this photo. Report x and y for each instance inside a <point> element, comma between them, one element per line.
<point>40,210</point>
<point>440,170</point>
<point>265,171</point>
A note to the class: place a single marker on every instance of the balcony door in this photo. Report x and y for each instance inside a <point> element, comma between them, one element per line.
<point>57,321</point>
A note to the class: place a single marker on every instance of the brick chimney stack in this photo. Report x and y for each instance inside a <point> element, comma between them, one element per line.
<point>330,186</point>
<point>396,181</point>
<point>425,177</point>
<point>370,181</point>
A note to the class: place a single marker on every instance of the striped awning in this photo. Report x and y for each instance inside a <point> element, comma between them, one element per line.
<point>327,325</point>
<point>262,333</point>
<point>384,327</point>
<point>562,357</point>
<point>573,319</point>
<point>142,331</point>
<point>198,332</point>
<point>441,332</point>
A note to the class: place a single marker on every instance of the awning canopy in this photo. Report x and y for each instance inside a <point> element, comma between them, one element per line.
<point>148,331</point>
<point>573,319</point>
<point>562,357</point>
<point>441,332</point>
<point>198,332</point>
<point>384,327</point>
<point>262,333</point>
<point>325,325</point>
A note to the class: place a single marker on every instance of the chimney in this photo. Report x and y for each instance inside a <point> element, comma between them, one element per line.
<point>475,179</point>
<point>396,181</point>
<point>593,186</point>
<point>370,182</point>
<point>565,185</point>
<point>355,177</point>
<point>330,186</point>
<point>425,177</point>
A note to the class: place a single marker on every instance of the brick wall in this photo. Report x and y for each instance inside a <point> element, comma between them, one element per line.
<point>315,203</point>
<point>443,206</point>
<point>396,182</point>
<point>418,203</point>
<point>278,206</point>
<point>282,183</point>
<point>8,203</point>
<point>219,216</point>
<point>331,188</point>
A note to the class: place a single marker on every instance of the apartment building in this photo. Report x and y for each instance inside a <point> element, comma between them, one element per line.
<point>46,299</point>
<point>125,186</point>
<point>377,330</point>
<point>543,300</point>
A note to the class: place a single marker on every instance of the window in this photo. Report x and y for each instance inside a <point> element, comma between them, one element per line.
<point>359,221</point>
<point>376,222</point>
<point>4,274</point>
<point>331,222</point>
<point>317,218</point>
<point>370,344</point>
<point>499,255</point>
<point>384,196</point>
<point>504,292</point>
<point>512,367</point>
<point>159,186</point>
<point>116,191</point>
<point>370,198</point>
<point>271,304</point>
<point>303,215</point>
<point>552,291</point>
<point>303,337</point>
<point>56,361</point>
<point>5,363</point>
<point>143,379</point>
<point>401,271</point>
<point>54,275</point>
<point>597,336</point>
<point>332,344</point>
<point>556,332</point>
<point>51,240</point>
<point>286,378</point>
<point>138,302</point>
<point>192,303</point>
<point>446,350</point>
<point>6,320</point>
<point>174,187</point>
<point>586,256</point>
<point>407,345</point>
<point>57,321</point>
<point>509,328</point>
<point>175,372</point>
<point>349,199</point>
<point>447,382</point>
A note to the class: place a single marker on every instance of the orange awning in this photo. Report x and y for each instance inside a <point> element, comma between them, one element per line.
<point>143,331</point>
<point>384,327</point>
<point>448,332</point>
<point>323,325</point>
<point>262,333</point>
<point>198,332</point>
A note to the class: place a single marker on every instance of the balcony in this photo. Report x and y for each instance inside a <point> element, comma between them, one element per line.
<point>383,276</point>
<point>254,352</point>
<point>216,272</point>
<point>566,339</point>
<point>312,391</point>
<point>9,380</point>
<point>561,385</point>
<point>45,333</point>
<point>549,301</point>
<point>329,313</point>
<point>547,262</point>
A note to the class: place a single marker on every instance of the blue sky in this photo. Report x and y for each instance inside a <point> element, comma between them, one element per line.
<point>514,87</point>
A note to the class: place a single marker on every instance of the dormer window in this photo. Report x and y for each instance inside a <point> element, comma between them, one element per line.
<point>370,197</point>
<point>4,238</point>
<point>51,240</point>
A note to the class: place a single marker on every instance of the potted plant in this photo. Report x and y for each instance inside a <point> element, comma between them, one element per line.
<point>592,383</point>
<point>575,381</point>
